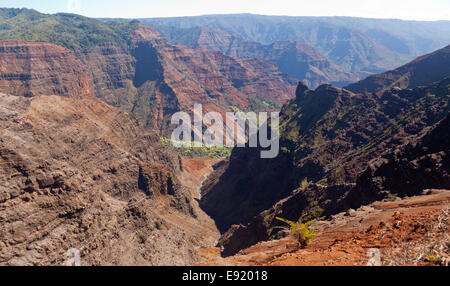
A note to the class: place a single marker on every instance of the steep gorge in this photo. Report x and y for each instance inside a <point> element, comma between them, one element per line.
<point>213,79</point>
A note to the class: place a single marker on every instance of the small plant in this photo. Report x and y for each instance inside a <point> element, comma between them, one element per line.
<point>430,257</point>
<point>304,183</point>
<point>300,230</point>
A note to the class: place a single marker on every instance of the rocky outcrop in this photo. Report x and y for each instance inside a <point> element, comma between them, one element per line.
<point>112,69</point>
<point>311,200</point>
<point>407,171</point>
<point>78,173</point>
<point>328,137</point>
<point>30,69</point>
<point>422,71</point>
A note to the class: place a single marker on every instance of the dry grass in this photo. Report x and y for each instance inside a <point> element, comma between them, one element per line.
<point>433,249</point>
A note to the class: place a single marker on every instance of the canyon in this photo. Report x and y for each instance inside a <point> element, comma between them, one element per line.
<point>138,71</point>
<point>86,104</point>
<point>296,59</point>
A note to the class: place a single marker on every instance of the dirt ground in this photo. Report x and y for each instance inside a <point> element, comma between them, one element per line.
<point>412,231</point>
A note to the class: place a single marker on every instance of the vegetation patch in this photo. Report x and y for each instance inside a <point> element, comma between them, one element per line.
<point>70,31</point>
<point>204,151</point>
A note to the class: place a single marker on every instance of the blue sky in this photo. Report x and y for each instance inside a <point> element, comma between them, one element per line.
<point>401,9</point>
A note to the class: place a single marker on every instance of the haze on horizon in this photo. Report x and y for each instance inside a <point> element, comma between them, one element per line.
<point>430,10</point>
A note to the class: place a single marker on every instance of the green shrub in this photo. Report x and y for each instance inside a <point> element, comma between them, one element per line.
<point>300,230</point>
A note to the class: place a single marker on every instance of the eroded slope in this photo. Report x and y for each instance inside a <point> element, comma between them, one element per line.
<point>81,174</point>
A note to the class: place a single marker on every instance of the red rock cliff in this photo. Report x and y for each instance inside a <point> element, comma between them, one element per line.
<point>30,69</point>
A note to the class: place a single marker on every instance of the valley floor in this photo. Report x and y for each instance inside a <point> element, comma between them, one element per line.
<point>412,231</point>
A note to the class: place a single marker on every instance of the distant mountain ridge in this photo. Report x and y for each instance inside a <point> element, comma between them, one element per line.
<point>354,44</point>
<point>422,71</point>
<point>401,36</point>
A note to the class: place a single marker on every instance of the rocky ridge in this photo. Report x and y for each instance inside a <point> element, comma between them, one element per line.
<point>407,171</point>
<point>422,71</point>
<point>354,44</point>
<point>328,136</point>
